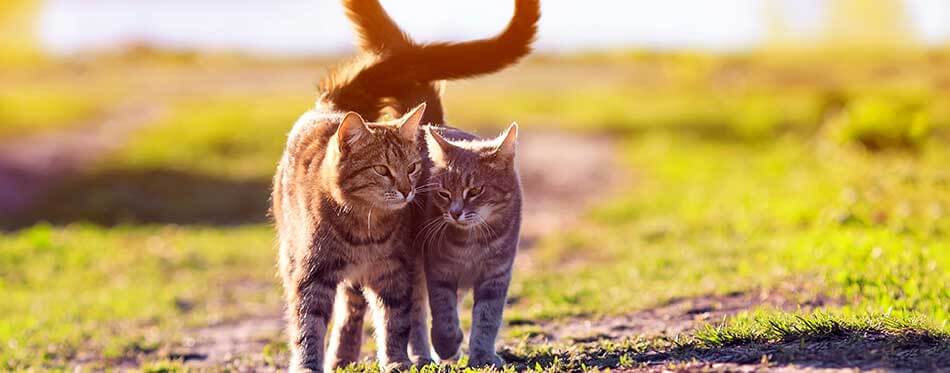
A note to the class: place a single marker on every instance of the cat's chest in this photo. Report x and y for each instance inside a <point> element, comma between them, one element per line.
<point>468,261</point>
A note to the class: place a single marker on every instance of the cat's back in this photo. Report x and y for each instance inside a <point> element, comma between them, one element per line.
<point>306,142</point>
<point>314,128</point>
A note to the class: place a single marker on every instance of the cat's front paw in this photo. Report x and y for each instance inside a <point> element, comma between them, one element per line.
<point>487,360</point>
<point>302,369</point>
<point>396,366</point>
<point>447,342</point>
<point>421,361</point>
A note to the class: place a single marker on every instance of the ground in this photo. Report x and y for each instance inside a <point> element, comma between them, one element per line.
<point>683,213</point>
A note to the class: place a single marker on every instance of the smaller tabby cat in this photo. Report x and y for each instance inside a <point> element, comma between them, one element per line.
<point>469,236</point>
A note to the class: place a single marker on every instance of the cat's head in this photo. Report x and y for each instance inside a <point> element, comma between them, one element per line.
<point>380,165</point>
<point>474,182</point>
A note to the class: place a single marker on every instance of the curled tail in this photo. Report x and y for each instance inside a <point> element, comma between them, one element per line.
<point>375,30</point>
<point>398,67</point>
<point>445,61</point>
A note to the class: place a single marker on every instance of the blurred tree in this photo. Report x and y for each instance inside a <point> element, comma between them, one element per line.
<point>17,36</point>
<point>868,24</point>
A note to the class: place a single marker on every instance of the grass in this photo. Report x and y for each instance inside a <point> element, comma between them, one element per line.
<point>761,340</point>
<point>234,137</point>
<point>82,292</point>
<point>217,172</point>
<point>752,185</point>
<point>32,109</point>
<point>756,216</point>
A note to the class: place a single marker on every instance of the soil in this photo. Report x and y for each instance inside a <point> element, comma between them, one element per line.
<point>680,315</point>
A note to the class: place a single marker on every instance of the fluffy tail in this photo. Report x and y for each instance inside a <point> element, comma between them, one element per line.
<point>445,61</point>
<point>375,30</point>
<point>399,66</point>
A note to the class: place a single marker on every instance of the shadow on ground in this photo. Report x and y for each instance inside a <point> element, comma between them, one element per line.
<point>840,347</point>
<point>149,196</point>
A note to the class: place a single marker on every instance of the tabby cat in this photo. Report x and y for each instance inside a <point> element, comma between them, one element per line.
<point>339,201</point>
<point>470,233</point>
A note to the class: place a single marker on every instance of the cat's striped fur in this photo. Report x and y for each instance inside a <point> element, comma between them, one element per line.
<point>339,202</point>
<point>469,236</point>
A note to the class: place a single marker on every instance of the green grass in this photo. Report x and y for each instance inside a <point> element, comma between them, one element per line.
<point>235,137</point>
<point>761,340</point>
<point>39,109</point>
<point>116,293</point>
<point>712,217</point>
<point>207,162</point>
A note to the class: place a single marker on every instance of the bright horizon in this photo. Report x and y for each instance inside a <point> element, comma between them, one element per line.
<point>304,27</point>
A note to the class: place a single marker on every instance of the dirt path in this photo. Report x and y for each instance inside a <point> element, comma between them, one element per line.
<point>31,165</point>
<point>680,315</point>
<point>562,174</point>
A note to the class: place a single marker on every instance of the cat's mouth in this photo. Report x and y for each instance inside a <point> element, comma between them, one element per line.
<point>463,222</point>
<point>397,202</point>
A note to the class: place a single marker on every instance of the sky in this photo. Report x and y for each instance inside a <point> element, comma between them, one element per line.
<point>307,27</point>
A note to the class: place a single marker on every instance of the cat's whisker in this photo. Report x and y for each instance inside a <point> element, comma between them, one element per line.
<point>442,233</point>
<point>489,231</point>
<point>416,204</point>
<point>488,226</point>
<point>432,232</point>
<point>484,232</point>
<point>369,219</point>
<point>425,227</point>
<point>479,232</point>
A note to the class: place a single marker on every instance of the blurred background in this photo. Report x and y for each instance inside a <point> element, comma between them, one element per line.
<point>760,142</point>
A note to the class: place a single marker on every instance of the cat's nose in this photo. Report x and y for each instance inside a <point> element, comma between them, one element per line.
<point>406,193</point>
<point>456,214</point>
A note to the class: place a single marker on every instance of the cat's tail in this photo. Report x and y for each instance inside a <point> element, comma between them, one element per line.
<point>398,66</point>
<point>444,61</point>
<point>375,31</point>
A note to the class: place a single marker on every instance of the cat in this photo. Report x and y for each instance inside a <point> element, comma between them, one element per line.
<point>378,35</point>
<point>469,236</point>
<point>339,203</point>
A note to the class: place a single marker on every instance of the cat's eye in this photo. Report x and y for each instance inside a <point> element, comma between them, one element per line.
<point>415,168</point>
<point>474,192</point>
<point>381,170</point>
<point>445,194</point>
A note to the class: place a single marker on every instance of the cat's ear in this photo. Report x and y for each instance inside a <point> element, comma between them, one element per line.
<point>507,147</point>
<point>438,146</point>
<point>352,130</point>
<point>409,128</point>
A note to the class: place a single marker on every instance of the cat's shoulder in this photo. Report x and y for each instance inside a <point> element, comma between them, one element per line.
<point>315,123</point>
